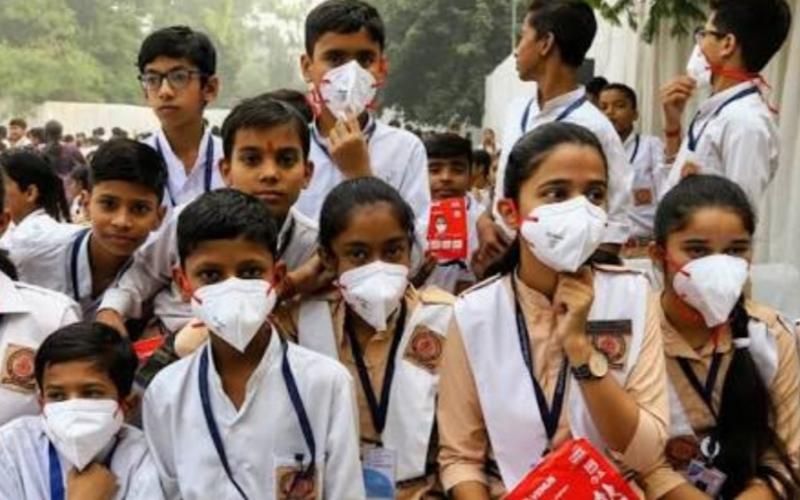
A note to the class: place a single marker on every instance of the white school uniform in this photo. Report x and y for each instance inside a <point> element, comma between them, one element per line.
<point>646,156</point>
<point>737,138</point>
<point>28,314</point>
<point>25,463</point>
<point>150,273</point>
<point>260,437</point>
<point>396,156</point>
<point>524,115</point>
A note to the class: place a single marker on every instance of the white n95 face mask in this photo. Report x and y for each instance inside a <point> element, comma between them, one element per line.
<point>374,291</point>
<point>80,428</point>
<point>564,235</point>
<point>234,309</point>
<point>712,285</point>
<point>699,69</point>
<point>348,88</point>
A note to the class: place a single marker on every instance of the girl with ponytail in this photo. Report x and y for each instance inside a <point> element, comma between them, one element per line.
<point>732,364</point>
<point>32,188</point>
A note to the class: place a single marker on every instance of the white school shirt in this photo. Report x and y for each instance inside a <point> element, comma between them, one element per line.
<point>396,156</point>
<point>25,463</point>
<point>150,272</point>
<point>739,141</point>
<point>262,435</point>
<point>183,188</point>
<point>619,170</point>
<point>28,314</point>
<point>646,155</point>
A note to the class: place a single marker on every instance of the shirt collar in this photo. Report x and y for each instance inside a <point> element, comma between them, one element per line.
<point>530,299</point>
<point>631,140</point>
<point>558,104</point>
<point>716,100</point>
<point>675,346</point>
<point>11,301</point>
<point>171,157</point>
<point>271,357</point>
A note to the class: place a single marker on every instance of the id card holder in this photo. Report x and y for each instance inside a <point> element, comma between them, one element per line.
<point>379,469</point>
<point>706,479</point>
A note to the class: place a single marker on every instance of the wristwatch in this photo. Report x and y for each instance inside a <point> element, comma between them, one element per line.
<point>595,369</point>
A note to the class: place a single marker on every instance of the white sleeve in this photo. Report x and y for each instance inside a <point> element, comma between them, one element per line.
<point>415,187</point>
<point>159,443</point>
<point>10,481</point>
<point>72,314</point>
<point>658,164</point>
<point>150,272</point>
<point>145,483</point>
<point>746,156</point>
<point>620,184</point>
<point>343,476</point>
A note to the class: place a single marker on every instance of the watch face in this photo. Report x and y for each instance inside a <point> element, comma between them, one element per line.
<point>598,364</point>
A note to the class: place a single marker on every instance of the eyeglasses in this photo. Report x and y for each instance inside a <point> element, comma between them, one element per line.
<point>178,79</point>
<point>701,33</point>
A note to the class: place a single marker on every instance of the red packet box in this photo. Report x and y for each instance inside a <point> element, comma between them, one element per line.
<point>447,229</point>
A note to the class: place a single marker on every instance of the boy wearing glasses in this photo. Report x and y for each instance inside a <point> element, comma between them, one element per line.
<point>177,69</point>
<point>734,133</point>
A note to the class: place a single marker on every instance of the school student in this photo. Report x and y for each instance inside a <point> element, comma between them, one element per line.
<point>732,364</point>
<point>450,172</point>
<point>248,415</point>
<point>646,156</point>
<point>554,347</point>
<point>17,139</point>
<point>389,335</point>
<point>733,134</point>
<point>482,177</point>
<point>77,190</point>
<point>266,145</point>
<point>177,72</point>
<point>79,447</point>
<point>555,37</point>
<point>345,63</point>
<point>124,206</point>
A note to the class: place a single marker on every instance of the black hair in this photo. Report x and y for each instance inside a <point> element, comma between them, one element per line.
<point>180,42</point>
<point>596,85</point>
<point>18,122</point>
<point>53,131</point>
<point>448,145</point>
<point>572,24</point>
<point>27,168</point>
<point>628,92</point>
<point>760,26</point>
<point>100,344</point>
<point>263,112</point>
<point>296,99</point>
<point>225,214</point>
<point>747,414</point>
<point>343,17</point>
<point>482,160</point>
<point>526,157</point>
<point>37,133</point>
<point>354,193</point>
<point>130,161</point>
<point>81,176</point>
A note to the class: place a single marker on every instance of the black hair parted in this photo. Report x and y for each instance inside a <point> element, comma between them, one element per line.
<point>100,344</point>
<point>28,168</point>
<point>130,161</point>
<point>225,214</point>
<point>179,42</point>
<point>572,23</point>
<point>352,194</point>
<point>343,17</point>
<point>448,145</point>
<point>263,112</point>
<point>625,90</point>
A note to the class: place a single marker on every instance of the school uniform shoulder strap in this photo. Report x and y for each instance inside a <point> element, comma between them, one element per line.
<point>433,295</point>
<point>769,316</point>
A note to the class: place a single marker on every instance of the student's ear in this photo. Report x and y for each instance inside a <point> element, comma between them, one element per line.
<point>308,174</point>
<point>130,404</point>
<point>211,89</point>
<point>225,171</point>
<point>179,276</point>
<point>328,259</point>
<point>32,194</point>
<point>383,70</point>
<point>5,220</point>
<point>509,213</point>
<point>635,115</point>
<point>279,272</point>
<point>161,212</point>
<point>548,45</point>
<point>656,254</point>
<point>729,46</point>
<point>305,68</point>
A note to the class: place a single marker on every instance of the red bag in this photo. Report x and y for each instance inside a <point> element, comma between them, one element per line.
<point>575,471</point>
<point>447,229</point>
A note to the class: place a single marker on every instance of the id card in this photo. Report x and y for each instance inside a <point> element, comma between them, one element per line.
<point>705,479</point>
<point>379,468</point>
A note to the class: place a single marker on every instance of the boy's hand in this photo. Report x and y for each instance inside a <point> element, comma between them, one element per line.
<point>307,279</point>
<point>674,97</point>
<point>348,148</point>
<point>95,482</point>
<point>493,241</point>
<point>113,319</point>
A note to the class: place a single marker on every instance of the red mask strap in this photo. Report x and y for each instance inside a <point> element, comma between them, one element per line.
<point>745,76</point>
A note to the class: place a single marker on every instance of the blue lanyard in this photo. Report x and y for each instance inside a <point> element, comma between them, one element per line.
<point>695,139</point>
<point>294,396</point>
<point>57,479</point>
<point>636,148</point>
<point>208,172</point>
<point>368,132</point>
<point>560,118</point>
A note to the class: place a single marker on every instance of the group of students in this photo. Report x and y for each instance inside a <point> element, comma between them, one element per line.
<point>309,343</point>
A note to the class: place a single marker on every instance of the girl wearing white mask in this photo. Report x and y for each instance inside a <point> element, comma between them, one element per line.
<point>389,335</point>
<point>79,447</point>
<point>732,364</point>
<point>553,348</point>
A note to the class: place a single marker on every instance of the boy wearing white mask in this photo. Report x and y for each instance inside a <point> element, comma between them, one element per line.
<point>344,64</point>
<point>79,447</point>
<point>734,133</point>
<point>389,335</point>
<point>732,365</point>
<point>247,415</point>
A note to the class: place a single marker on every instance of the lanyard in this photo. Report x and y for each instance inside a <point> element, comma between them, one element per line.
<point>73,263</point>
<point>704,391</point>
<point>294,396</point>
<point>377,410</point>
<point>695,139</point>
<point>636,148</point>
<point>56,479</point>
<point>550,415</point>
<point>368,132</point>
<point>207,172</point>
<point>560,118</point>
